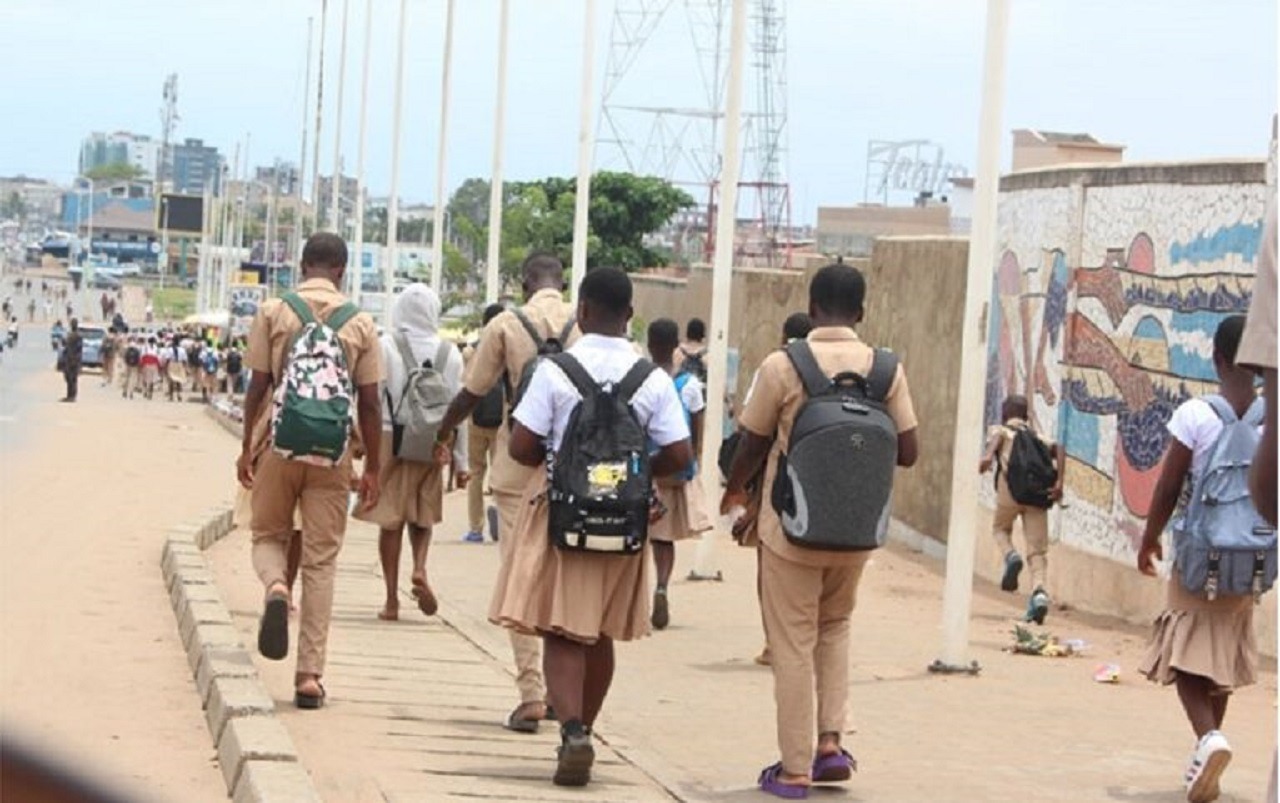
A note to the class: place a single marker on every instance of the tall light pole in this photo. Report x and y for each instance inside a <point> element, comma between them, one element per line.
<point>315,159</point>
<point>494,255</point>
<point>437,222</point>
<point>582,197</point>
<point>957,594</point>
<point>334,220</point>
<point>393,202</point>
<point>298,216</point>
<point>722,272</point>
<point>357,286</point>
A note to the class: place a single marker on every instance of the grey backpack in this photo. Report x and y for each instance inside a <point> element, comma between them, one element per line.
<point>1221,544</point>
<point>416,416</point>
<point>834,482</point>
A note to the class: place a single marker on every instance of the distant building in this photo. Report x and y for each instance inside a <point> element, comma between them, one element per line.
<point>347,189</point>
<point>121,147</point>
<point>851,230</point>
<point>1033,148</point>
<point>41,199</point>
<point>124,228</point>
<point>195,167</point>
<point>283,177</point>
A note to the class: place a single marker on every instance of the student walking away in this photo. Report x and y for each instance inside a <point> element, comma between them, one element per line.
<point>150,367</point>
<point>1224,558</point>
<point>195,361</point>
<point>1028,479</point>
<point>482,442</point>
<point>579,564</point>
<point>423,374</point>
<point>72,353</point>
<point>110,348</point>
<point>235,369</point>
<point>209,366</point>
<point>506,353</point>
<point>175,368</point>
<point>319,357</point>
<point>691,357</point>
<point>132,368</point>
<point>680,509</point>
<point>31,311</point>
<point>829,420</point>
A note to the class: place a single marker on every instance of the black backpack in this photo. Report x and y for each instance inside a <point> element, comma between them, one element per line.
<point>601,486</point>
<point>1030,472</point>
<point>695,362</point>
<point>194,359</point>
<point>233,362</point>
<point>132,356</point>
<point>834,484</point>
<point>545,348</point>
<point>488,412</point>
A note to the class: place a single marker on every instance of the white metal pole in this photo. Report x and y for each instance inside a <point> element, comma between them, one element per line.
<point>958,589</point>
<point>586,143</point>
<point>722,277</point>
<point>494,256</point>
<point>298,216</point>
<point>437,222</point>
<point>393,202</point>
<point>356,285</point>
<point>335,221</point>
<point>229,259</point>
<point>315,159</point>
<point>202,263</point>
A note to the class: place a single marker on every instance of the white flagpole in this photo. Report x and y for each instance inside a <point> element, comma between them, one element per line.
<point>494,256</point>
<point>437,224</point>
<point>315,158</point>
<point>357,284</point>
<point>393,202</point>
<point>334,196</point>
<point>586,149</point>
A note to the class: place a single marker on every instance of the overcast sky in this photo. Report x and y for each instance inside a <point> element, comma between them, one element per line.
<point>1172,79</point>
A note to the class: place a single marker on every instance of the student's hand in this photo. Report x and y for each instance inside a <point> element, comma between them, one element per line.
<point>244,470</point>
<point>732,499</point>
<point>744,523</point>
<point>369,489</point>
<point>1055,493</point>
<point>442,454</point>
<point>460,479</point>
<point>984,466</point>
<point>1148,554</point>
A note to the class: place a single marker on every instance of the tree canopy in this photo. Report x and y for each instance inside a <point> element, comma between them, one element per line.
<point>115,171</point>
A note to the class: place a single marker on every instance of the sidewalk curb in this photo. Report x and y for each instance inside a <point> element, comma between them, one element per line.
<point>257,756</point>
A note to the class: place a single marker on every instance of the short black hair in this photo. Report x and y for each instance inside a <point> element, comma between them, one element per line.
<point>696,329</point>
<point>492,311</point>
<point>838,290</point>
<point>542,265</point>
<point>664,334</point>
<point>324,249</point>
<point>609,289</point>
<point>1015,406</point>
<point>796,326</point>
<point>1226,341</point>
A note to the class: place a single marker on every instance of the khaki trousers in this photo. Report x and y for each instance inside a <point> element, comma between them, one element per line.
<point>806,619</point>
<point>1035,531</point>
<point>526,649</point>
<point>320,494</point>
<point>481,446</point>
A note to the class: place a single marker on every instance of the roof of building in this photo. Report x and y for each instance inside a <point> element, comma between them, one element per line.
<point>122,217</point>
<point>1066,138</point>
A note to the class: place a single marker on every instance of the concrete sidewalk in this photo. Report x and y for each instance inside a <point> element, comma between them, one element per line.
<point>414,706</point>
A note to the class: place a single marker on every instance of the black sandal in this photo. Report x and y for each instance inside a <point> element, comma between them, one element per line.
<point>309,702</point>
<point>273,629</point>
<point>520,724</point>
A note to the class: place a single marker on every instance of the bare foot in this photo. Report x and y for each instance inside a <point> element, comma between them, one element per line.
<point>390,612</point>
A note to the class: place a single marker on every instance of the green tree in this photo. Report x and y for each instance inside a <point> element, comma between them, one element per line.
<point>14,206</point>
<point>115,171</point>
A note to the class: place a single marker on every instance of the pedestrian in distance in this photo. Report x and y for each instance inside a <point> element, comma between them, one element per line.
<point>132,368</point>
<point>423,370</point>
<point>482,444</point>
<point>72,353</point>
<point>584,426</point>
<point>842,474</point>
<point>1028,481</point>
<point>319,356</point>
<point>691,357</point>
<point>1224,558</point>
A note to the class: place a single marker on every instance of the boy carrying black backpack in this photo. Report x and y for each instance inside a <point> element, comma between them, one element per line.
<point>1028,481</point>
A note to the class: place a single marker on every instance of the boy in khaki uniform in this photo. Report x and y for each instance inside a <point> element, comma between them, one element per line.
<point>320,494</point>
<point>504,349</point>
<point>808,595</point>
<point>482,445</point>
<point>1035,520</point>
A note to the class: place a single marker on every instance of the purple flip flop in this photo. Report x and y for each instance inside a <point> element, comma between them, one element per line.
<point>834,768</point>
<point>788,791</point>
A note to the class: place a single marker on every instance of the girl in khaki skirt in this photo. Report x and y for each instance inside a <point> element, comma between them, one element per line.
<point>681,510</point>
<point>412,492</point>
<point>1204,647</point>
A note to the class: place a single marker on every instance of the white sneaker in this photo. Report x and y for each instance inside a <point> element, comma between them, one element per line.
<point>1212,756</point>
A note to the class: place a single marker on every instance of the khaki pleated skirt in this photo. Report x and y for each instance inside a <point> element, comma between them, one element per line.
<point>686,515</point>
<point>411,493</point>
<point>1199,637</point>
<point>578,595</point>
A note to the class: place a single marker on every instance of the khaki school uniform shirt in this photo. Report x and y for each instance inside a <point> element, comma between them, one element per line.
<point>1258,344</point>
<point>503,350</point>
<point>1001,437</point>
<point>771,411</point>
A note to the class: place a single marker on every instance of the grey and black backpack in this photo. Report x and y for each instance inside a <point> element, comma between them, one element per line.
<point>834,484</point>
<point>600,482</point>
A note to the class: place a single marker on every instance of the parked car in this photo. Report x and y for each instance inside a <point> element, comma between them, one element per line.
<point>104,281</point>
<point>91,350</point>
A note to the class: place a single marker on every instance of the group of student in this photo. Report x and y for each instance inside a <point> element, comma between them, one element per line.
<point>169,361</point>
<point>589,449</point>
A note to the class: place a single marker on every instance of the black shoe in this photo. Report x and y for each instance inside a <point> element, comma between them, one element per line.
<point>575,756</point>
<point>661,613</point>
<point>273,630</point>
<point>1012,568</point>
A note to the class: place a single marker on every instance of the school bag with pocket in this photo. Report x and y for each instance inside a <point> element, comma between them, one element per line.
<point>416,416</point>
<point>545,347</point>
<point>234,362</point>
<point>489,410</point>
<point>695,362</point>
<point>681,380</point>
<point>132,356</point>
<point>1030,474</point>
<point>600,481</point>
<point>834,483</point>
<point>1222,546</point>
<point>210,361</point>
<point>311,408</point>
<point>194,360</point>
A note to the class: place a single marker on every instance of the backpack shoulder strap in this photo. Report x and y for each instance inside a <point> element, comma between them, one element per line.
<point>681,380</point>
<point>406,353</point>
<point>568,329</point>
<point>884,369</point>
<point>442,356</point>
<point>634,379</point>
<point>300,307</point>
<point>528,326</point>
<point>573,369</point>
<point>1221,408</point>
<point>816,382</point>
<point>1256,412</point>
<point>341,316</point>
